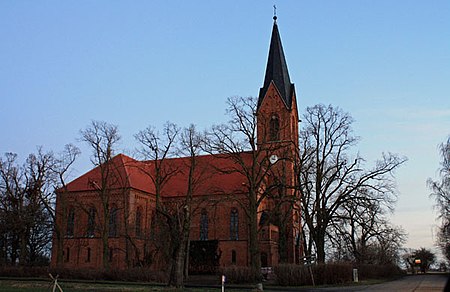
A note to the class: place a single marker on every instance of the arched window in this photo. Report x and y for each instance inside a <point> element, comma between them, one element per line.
<point>70,222</point>
<point>111,254</point>
<point>91,222</point>
<point>88,255</point>
<point>138,222</point>
<point>113,221</point>
<point>67,254</point>
<point>233,257</point>
<point>234,224</point>
<point>274,128</point>
<point>204,225</point>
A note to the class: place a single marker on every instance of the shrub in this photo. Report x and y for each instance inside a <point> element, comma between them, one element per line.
<point>237,275</point>
<point>335,273</point>
<point>20,271</point>
<point>331,274</point>
<point>132,274</point>
<point>292,275</point>
<point>378,271</point>
<point>298,275</point>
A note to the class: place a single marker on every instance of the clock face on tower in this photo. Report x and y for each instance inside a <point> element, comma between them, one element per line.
<point>273,159</point>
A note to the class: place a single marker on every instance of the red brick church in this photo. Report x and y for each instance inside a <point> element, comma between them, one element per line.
<point>220,217</point>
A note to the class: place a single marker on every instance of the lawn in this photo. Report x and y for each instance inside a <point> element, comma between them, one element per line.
<point>45,286</point>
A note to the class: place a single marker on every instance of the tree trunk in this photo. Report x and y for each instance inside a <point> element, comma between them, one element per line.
<point>59,227</point>
<point>177,271</point>
<point>320,247</point>
<point>59,247</point>
<point>3,244</point>
<point>255,255</point>
<point>106,252</point>
<point>181,253</point>
<point>23,248</point>
<point>186,263</point>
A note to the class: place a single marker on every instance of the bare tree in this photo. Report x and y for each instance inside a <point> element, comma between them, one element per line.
<point>284,195</point>
<point>237,141</point>
<point>441,194</point>
<point>390,244</point>
<point>426,257</point>
<point>61,169</point>
<point>13,200</point>
<point>39,184</point>
<point>408,258</point>
<point>329,177</point>
<point>189,146</point>
<point>103,138</point>
<point>26,223</point>
<point>362,233</point>
<point>157,148</point>
<point>173,219</point>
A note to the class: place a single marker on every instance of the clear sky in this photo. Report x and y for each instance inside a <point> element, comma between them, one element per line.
<point>140,63</point>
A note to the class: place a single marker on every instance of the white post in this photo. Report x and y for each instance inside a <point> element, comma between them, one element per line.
<point>355,275</point>
<point>223,283</point>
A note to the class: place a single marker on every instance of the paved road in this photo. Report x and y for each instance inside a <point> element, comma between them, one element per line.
<point>415,283</point>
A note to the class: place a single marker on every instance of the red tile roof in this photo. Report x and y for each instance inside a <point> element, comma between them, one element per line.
<point>214,174</point>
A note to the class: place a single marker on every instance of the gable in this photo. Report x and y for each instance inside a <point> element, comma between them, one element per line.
<point>123,172</point>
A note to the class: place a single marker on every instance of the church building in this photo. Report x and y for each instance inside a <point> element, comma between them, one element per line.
<point>219,217</point>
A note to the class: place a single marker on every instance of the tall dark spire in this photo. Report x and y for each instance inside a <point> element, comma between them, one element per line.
<point>277,70</point>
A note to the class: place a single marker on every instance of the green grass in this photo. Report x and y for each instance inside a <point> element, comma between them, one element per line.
<point>45,286</point>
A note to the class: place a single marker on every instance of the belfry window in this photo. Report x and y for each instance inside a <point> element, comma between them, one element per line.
<point>204,225</point>
<point>274,128</point>
<point>234,224</point>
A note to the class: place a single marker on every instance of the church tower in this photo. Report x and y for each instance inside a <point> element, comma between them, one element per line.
<point>277,105</point>
<point>277,130</point>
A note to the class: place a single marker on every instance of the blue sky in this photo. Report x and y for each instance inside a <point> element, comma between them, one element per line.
<point>140,63</point>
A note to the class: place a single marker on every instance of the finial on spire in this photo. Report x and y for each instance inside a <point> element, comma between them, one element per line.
<point>275,13</point>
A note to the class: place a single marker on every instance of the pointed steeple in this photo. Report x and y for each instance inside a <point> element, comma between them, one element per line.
<point>277,70</point>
